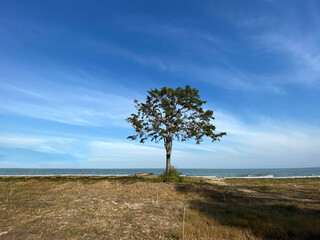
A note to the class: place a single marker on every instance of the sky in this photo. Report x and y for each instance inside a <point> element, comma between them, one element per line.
<point>70,71</point>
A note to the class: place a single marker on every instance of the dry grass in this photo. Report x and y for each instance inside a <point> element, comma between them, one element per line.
<point>127,208</point>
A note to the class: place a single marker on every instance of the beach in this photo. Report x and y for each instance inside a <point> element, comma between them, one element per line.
<point>128,207</point>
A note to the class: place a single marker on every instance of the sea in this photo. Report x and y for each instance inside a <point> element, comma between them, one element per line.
<point>221,173</point>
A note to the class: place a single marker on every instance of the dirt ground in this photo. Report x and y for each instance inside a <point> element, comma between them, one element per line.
<point>141,208</point>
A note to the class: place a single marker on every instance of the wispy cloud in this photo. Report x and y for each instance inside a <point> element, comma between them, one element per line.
<point>106,48</point>
<point>205,61</point>
<point>276,142</point>
<point>67,104</point>
<point>220,73</point>
<point>265,143</point>
<point>303,52</point>
<point>232,78</point>
<point>123,150</point>
<point>51,145</point>
<point>106,150</point>
<point>194,38</point>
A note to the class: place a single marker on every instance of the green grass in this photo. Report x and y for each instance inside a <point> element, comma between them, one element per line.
<point>173,176</point>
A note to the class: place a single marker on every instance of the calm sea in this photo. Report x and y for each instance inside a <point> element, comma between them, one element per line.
<point>243,173</point>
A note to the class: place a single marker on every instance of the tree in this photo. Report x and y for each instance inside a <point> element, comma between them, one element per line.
<point>170,114</point>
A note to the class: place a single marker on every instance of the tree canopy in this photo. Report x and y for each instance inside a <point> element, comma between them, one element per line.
<point>170,114</point>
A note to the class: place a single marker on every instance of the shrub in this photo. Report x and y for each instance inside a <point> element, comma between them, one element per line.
<point>172,176</point>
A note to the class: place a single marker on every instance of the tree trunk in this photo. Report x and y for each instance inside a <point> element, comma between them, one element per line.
<point>168,165</point>
<point>168,146</point>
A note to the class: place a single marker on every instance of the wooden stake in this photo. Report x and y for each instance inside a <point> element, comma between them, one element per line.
<point>184,216</point>
<point>157,195</point>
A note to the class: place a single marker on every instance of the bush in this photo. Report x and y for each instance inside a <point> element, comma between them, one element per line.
<point>172,176</point>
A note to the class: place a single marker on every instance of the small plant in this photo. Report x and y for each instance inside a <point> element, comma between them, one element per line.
<point>96,200</point>
<point>264,188</point>
<point>172,176</point>
<point>43,202</point>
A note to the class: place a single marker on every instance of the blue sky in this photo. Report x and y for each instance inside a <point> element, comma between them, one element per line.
<point>70,70</point>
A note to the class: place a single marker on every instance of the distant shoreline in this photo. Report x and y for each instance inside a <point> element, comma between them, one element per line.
<point>204,173</point>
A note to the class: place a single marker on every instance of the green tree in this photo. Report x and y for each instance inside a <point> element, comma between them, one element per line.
<point>170,114</point>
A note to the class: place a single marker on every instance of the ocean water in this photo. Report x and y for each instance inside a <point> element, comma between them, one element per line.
<point>239,173</point>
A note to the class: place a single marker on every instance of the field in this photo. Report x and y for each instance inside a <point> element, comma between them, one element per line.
<point>141,208</point>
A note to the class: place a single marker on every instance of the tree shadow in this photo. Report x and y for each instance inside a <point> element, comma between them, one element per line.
<point>266,217</point>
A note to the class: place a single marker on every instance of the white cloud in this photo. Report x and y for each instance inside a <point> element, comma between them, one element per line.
<point>234,79</point>
<point>131,155</point>
<point>281,143</point>
<point>20,142</point>
<point>62,103</point>
<point>106,48</point>
<point>302,52</point>
<point>45,144</point>
<point>266,143</point>
<point>11,164</point>
<point>102,150</point>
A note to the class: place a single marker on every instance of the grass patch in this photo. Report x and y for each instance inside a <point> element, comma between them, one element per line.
<point>173,176</point>
<point>142,208</point>
<point>128,218</point>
